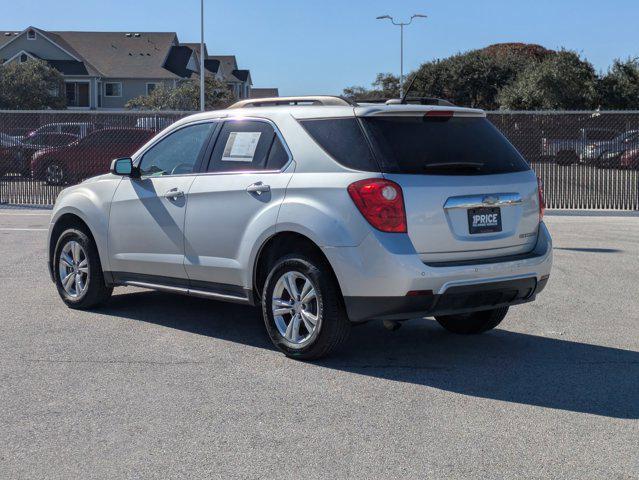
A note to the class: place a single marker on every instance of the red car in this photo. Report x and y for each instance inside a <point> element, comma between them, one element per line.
<point>88,156</point>
<point>630,159</point>
<point>5,160</point>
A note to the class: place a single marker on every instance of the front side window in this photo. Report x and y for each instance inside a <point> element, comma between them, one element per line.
<point>73,129</point>
<point>113,89</point>
<point>178,152</point>
<point>247,145</point>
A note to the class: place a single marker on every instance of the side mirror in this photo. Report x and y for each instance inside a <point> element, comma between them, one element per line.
<point>124,167</point>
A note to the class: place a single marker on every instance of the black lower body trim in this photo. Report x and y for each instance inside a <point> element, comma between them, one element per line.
<point>220,291</point>
<point>459,299</point>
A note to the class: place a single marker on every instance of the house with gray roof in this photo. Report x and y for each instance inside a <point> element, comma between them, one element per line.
<point>103,70</point>
<point>264,92</point>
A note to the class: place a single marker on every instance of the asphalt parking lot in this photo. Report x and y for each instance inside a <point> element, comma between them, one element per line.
<point>160,386</point>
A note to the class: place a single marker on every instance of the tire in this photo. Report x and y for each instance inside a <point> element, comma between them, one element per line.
<point>55,174</point>
<point>92,291</point>
<point>331,328</point>
<point>473,323</point>
<point>567,157</point>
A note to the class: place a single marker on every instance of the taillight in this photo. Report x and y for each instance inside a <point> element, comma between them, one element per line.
<point>381,203</point>
<point>542,204</point>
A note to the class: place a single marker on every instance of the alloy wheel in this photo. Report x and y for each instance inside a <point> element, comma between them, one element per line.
<point>295,308</point>
<point>73,267</point>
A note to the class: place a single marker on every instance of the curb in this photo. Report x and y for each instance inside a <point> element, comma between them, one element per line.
<point>591,213</point>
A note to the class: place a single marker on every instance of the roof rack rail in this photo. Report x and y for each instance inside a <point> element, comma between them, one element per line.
<point>317,100</point>
<point>409,100</point>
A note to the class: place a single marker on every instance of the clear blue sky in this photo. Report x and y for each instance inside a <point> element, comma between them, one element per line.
<point>321,46</point>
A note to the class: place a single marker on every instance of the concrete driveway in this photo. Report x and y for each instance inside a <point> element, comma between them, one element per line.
<point>161,386</point>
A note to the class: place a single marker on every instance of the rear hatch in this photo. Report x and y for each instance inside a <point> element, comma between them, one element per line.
<point>468,193</point>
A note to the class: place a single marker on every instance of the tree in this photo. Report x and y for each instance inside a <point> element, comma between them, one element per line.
<point>185,96</point>
<point>619,88</point>
<point>562,81</point>
<point>386,85</point>
<point>31,85</point>
<point>475,78</point>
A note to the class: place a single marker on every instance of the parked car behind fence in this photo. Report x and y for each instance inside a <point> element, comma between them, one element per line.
<point>78,129</point>
<point>630,159</point>
<point>87,156</point>
<point>582,147</point>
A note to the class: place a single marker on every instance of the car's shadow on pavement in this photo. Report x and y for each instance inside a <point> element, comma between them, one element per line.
<point>501,365</point>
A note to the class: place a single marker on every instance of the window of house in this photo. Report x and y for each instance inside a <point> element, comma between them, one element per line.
<point>113,89</point>
<point>150,87</point>
<point>31,35</point>
<point>77,94</point>
<point>23,58</point>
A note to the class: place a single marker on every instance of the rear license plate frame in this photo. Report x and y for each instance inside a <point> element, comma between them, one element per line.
<point>486,225</point>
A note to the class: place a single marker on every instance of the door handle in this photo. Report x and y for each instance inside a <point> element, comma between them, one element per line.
<point>258,188</point>
<point>174,194</point>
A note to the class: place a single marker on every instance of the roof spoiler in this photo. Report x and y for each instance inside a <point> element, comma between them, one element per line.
<point>410,100</point>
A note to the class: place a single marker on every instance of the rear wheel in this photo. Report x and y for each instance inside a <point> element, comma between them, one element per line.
<point>303,309</point>
<point>474,322</point>
<point>77,270</point>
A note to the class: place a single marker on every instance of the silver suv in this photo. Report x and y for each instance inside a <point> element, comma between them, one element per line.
<point>324,212</point>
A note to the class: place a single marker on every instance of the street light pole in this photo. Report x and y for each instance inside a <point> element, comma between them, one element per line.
<point>401,26</point>
<point>202,106</point>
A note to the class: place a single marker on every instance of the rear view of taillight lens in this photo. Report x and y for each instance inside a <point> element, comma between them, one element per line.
<point>381,202</point>
<point>542,204</point>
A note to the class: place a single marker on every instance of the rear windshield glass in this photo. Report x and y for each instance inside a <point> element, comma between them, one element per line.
<point>441,146</point>
<point>344,140</point>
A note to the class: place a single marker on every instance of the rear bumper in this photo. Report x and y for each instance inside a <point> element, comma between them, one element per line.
<point>377,276</point>
<point>461,299</point>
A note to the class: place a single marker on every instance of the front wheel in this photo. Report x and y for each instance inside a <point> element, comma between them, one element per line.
<point>303,309</point>
<point>77,271</point>
<point>474,322</point>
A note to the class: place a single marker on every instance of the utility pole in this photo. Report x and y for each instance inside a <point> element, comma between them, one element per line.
<point>401,26</point>
<point>202,103</point>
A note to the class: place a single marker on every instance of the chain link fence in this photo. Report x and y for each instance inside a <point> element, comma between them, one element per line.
<point>41,152</point>
<point>587,160</point>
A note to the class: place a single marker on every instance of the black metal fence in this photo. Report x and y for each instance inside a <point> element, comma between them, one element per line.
<point>587,160</point>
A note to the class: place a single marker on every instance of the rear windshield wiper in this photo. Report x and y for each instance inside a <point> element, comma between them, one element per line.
<point>474,166</point>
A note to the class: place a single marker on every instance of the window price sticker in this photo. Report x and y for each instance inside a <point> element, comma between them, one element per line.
<point>241,146</point>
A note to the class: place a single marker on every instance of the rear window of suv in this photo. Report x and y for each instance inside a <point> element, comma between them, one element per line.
<point>441,146</point>
<point>417,145</point>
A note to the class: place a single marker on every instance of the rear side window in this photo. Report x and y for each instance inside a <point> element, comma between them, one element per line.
<point>442,146</point>
<point>344,140</point>
<point>247,145</point>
